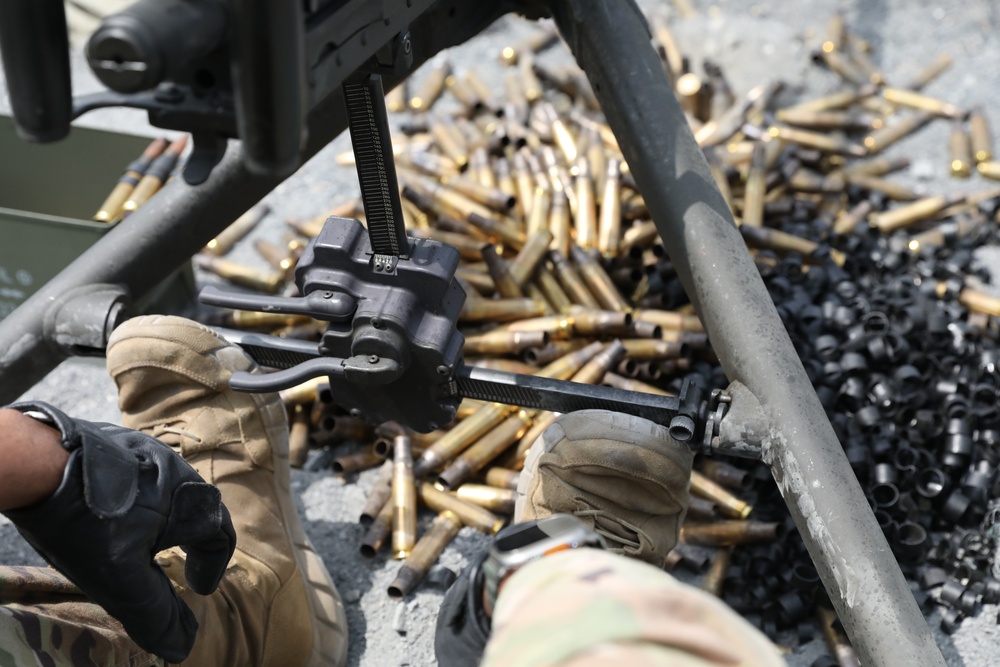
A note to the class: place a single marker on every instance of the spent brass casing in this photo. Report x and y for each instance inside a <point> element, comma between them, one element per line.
<point>904,216</point>
<point>396,99</point>
<point>469,247</point>
<point>670,320</point>
<point>536,356</point>
<point>479,172</point>
<point>844,67</point>
<point>668,50</point>
<point>879,166</point>
<point>571,282</point>
<point>525,182</point>
<point>730,533</point>
<point>538,41</point>
<point>588,322</point>
<point>430,90</point>
<point>989,169</point>
<point>825,120</point>
<point>561,134</point>
<point>542,421</point>
<point>559,222</point>
<point>597,156</point>
<point>505,183</point>
<point>506,286</point>
<point>556,327</point>
<point>452,143</point>
<point>729,505</point>
<point>306,392</point>
<point>363,459</point>
<point>531,254</point>
<point>379,495</point>
<point>881,139</point>
<point>586,206</point>
<point>726,474</point>
<point>538,217</point>
<point>474,282</point>
<point>838,100</point>
<point>938,235</point>
<point>930,72</point>
<point>979,302</point>
<point>379,530</point>
<point>484,450</point>
<point>497,230</point>
<point>712,582</point>
<point>481,90</point>
<point>495,499</point>
<point>503,478</point>
<point>461,436</point>
<point>609,237</point>
<point>515,103</point>
<point>753,196</point>
<point>982,141</point>
<point>465,94</point>
<point>298,436</point>
<point>645,349</point>
<point>836,640</point>
<point>252,319</point>
<point>700,509</point>
<point>530,83</point>
<point>500,310</point>
<point>425,553</point>
<point>823,142</point>
<point>471,515</point>
<point>241,275</point>
<point>468,407</point>
<point>552,290</point>
<point>598,281</point>
<point>497,364</point>
<point>848,220</point>
<point>275,255</point>
<point>630,384</point>
<point>775,239</point>
<point>504,342</point>
<point>960,151</point>
<point>641,235</point>
<point>404,498</point>
<point>594,370</point>
<point>891,190</point>
<point>931,105</point>
<point>487,195</point>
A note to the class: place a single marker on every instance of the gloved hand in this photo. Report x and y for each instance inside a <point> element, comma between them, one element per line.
<point>462,626</point>
<point>124,497</point>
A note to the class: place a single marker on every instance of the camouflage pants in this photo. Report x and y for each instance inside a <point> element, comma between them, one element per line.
<point>589,608</point>
<point>46,621</point>
<point>581,608</point>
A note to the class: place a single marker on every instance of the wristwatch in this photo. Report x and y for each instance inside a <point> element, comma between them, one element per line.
<point>517,545</point>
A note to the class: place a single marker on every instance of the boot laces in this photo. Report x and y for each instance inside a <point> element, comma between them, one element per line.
<point>608,535</point>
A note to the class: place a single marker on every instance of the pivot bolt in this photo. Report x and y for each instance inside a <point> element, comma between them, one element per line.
<point>443,370</point>
<point>372,358</point>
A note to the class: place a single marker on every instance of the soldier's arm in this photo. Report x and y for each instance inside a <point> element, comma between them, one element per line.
<point>32,460</point>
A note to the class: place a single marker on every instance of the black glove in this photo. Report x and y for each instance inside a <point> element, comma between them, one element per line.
<point>462,625</point>
<point>124,497</point>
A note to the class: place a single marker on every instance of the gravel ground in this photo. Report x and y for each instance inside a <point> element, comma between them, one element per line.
<point>753,42</point>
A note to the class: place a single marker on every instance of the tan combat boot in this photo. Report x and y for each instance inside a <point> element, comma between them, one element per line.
<point>276,605</point>
<point>625,476</point>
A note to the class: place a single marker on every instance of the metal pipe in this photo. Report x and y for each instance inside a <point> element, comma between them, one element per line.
<point>611,42</point>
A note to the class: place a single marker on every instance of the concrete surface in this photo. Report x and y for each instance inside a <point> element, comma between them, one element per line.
<point>753,42</point>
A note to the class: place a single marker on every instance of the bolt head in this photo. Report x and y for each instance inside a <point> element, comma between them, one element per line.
<point>443,370</point>
<point>372,358</point>
<point>378,323</point>
<point>355,412</point>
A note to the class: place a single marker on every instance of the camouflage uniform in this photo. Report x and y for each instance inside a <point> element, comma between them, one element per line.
<point>590,608</point>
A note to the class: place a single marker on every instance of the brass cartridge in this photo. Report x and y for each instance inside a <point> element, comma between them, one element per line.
<point>879,166</point>
<point>276,256</point>
<point>155,176</point>
<point>712,581</point>
<point>404,498</point>
<point>670,53</point>
<point>556,327</point>
<point>481,90</point>
<point>496,364</point>
<point>837,642</point>
<point>931,105</point>
<point>881,139</point>
<point>826,120</point>
<point>587,322</point>
<point>542,421</point>
<point>630,384</point>
<point>571,281</point>
<point>493,498</point>
<point>609,236</point>
<point>252,319</point>
<point>469,247</point>
<point>730,533</point>
<point>552,350</point>
<point>465,94</point>
<point>306,392</point>
<point>298,436</point>
<point>452,143</point>
<point>430,90</point>
<point>525,188</point>
<point>564,139</point>
<point>670,320</point>
<point>396,99</point>
<point>506,286</point>
<point>775,239</point>
<point>461,436</point>
<point>380,493</point>
<point>538,218</point>
<point>505,184</point>
<point>646,349</point>
<point>503,478</point>
<point>904,216</point>
<point>467,408</point>
<point>875,184</point>
<point>425,553</point>
<point>844,67</point>
<point>979,302</point>
<point>598,282</point>
<point>960,151</point>
<point>938,235</point>
<point>930,72</point>
<point>552,290</point>
<point>989,169</point>
<point>530,256</point>
<point>559,223</point>
<point>641,235</point>
<point>700,509</point>
<point>823,142</point>
<point>838,100</point>
<point>500,310</point>
<point>593,372</point>
<point>538,41</point>
<point>379,530</point>
<point>363,459</point>
<point>474,282</point>
<point>726,474</point>
<point>112,207</point>
<point>848,219</point>
<point>982,141</point>
<point>729,505</point>
<point>239,274</point>
<point>498,230</point>
<point>532,87</point>
<point>504,342</point>
<point>484,450</point>
<point>490,196</point>
<point>515,105</point>
<point>586,206</point>
<point>753,197</point>
<point>471,515</point>
<point>479,172</point>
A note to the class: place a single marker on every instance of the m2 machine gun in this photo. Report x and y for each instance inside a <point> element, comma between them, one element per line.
<point>286,77</point>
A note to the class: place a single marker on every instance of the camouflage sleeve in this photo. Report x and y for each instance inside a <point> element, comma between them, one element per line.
<point>46,621</point>
<point>585,607</point>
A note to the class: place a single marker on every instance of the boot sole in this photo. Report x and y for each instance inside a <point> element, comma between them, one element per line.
<point>325,605</point>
